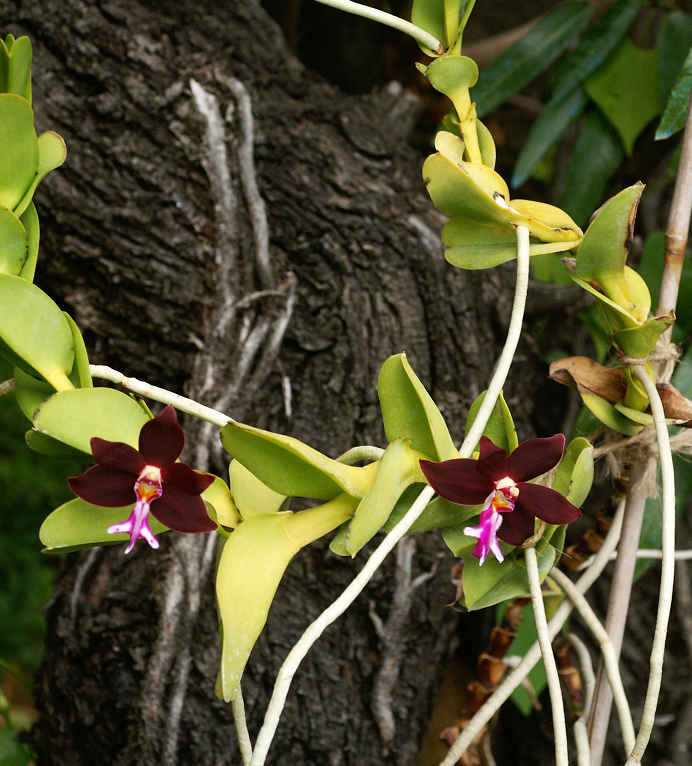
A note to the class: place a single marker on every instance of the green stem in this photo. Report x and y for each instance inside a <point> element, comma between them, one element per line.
<point>423,37</point>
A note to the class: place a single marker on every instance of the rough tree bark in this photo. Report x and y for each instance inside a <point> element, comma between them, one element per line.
<point>141,246</point>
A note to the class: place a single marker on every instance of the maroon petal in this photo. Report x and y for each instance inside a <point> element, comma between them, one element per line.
<point>161,440</point>
<point>547,504</point>
<point>182,512</point>
<point>492,461</point>
<point>517,525</point>
<point>105,487</point>
<point>457,480</point>
<point>534,457</point>
<point>116,455</point>
<point>183,477</point>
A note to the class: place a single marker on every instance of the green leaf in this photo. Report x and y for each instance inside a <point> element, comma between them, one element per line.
<point>430,16</point>
<point>607,414</point>
<point>18,149</point>
<point>530,55</point>
<point>74,417</point>
<point>252,564</point>
<point>78,524</point>
<point>546,130</point>
<point>673,45</point>
<point>219,496</point>
<point>575,472</point>
<point>34,334</point>
<point>675,113</point>
<point>453,76</point>
<point>476,246</point>
<point>50,447</point>
<point>290,467</point>
<point>640,341</point>
<point>30,392</point>
<point>398,469</point>
<point>500,428</point>
<point>597,155</point>
<point>51,155</point>
<point>627,90</point>
<point>410,413</point>
<point>489,584</point>
<point>80,369</point>
<point>250,495</point>
<point>595,46</point>
<point>13,753</point>
<point>29,219</point>
<point>438,514</point>
<point>15,67</point>
<point>14,246</point>
<point>603,251</point>
<point>486,143</point>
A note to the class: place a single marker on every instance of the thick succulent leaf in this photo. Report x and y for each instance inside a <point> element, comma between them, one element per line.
<point>616,317</point>
<point>602,254</point>
<point>219,496</point>
<point>47,445</point>
<point>457,194</point>
<point>34,334</point>
<point>597,154</point>
<point>546,130</point>
<point>608,415</point>
<point>30,392</point>
<point>637,416</point>
<point>397,470</point>
<point>52,154</point>
<point>290,467</point>
<point>80,370</point>
<point>675,112</point>
<point>440,18</point>
<point>78,524</point>
<point>500,427</point>
<point>410,413</point>
<point>14,246</point>
<point>486,143</point>
<point>494,582</point>
<point>74,417</point>
<point>574,475</point>
<point>438,514</point>
<point>596,45</point>
<point>627,90</point>
<point>29,219</point>
<point>250,495</point>
<point>640,341</point>
<point>530,55</point>
<point>252,564</point>
<point>15,67</point>
<point>19,154</point>
<point>453,76</point>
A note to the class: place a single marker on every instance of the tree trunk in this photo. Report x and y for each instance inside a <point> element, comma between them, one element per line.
<point>152,239</point>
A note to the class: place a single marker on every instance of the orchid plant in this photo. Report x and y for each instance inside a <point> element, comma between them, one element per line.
<point>493,496</point>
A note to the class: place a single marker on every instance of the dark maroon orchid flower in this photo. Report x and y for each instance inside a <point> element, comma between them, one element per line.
<point>500,482</point>
<point>150,478</point>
